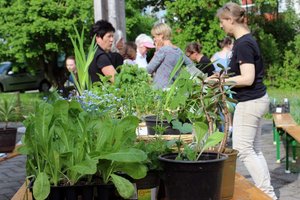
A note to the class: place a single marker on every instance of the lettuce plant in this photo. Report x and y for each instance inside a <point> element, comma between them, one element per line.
<point>65,144</point>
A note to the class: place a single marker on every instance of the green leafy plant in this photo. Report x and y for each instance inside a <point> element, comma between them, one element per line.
<point>200,101</point>
<point>131,93</point>
<point>153,148</point>
<point>202,141</point>
<point>7,111</point>
<point>83,60</point>
<point>65,144</point>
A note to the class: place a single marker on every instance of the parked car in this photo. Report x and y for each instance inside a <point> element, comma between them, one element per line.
<point>21,80</point>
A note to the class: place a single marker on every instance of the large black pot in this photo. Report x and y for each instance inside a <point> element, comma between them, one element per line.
<point>7,139</point>
<point>193,180</point>
<point>152,122</point>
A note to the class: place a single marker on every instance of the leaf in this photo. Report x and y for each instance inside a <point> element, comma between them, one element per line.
<point>75,105</point>
<point>135,170</point>
<point>183,128</point>
<point>43,117</point>
<point>61,109</point>
<point>213,140</point>
<point>124,187</point>
<point>200,130</point>
<point>41,187</point>
<point>126,155</point>
<point>88,166</point>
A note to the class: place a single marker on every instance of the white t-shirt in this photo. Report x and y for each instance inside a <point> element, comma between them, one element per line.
<point>141,60</point>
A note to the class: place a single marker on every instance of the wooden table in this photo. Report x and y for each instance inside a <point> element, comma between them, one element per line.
<point>11,155</point>
<point>243,190</point>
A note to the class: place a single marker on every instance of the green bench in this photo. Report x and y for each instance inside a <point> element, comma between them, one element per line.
<point>285,125</point>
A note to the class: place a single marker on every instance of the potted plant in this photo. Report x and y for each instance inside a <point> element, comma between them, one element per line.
<point>7,134</point>
<point>203,101</point>
<point>192,165</point>
<point>69,147</point>
<point>153,147</point>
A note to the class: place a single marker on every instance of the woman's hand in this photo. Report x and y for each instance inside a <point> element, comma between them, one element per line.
<point>159,44</point>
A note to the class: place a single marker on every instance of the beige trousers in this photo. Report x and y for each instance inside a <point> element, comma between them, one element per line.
<point>246,138</point>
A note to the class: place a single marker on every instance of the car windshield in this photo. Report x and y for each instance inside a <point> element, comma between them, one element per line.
<point>4,67</point>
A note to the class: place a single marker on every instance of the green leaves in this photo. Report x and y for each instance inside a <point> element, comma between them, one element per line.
<point>124,187</point>
<point>7,110</point>
<point>83,61</point>
<point>126,155</point>
<point>87,166</point>
<point>41,187</point>
<point>47,22</point>
<point>135,170</point>
<point>213,140</point>
<point>183,128</point>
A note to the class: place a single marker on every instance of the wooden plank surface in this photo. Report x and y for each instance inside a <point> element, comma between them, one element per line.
<point>22,193</point>
<point>11,155</point>
<point>243,190</point>
<point>283,119</point>
<point>293,131</point>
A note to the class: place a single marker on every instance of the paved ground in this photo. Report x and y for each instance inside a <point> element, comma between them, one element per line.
<point>12,171</point>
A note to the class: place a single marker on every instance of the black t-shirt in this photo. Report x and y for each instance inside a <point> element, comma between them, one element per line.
<point>116,59</point>
<point>246,50</point>
<point>101,60</point>
<point>205,65</point>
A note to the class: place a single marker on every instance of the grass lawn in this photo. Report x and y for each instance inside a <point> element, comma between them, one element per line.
<point>24,102</point>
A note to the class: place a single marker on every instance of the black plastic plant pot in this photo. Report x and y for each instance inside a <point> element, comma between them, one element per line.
<point>193,180</point>
<point>73,192</point>
<point>151,180</point>
<point>107,192</point>
<point>7,139</point>
<point>57,193</point>
<point>152,122</point>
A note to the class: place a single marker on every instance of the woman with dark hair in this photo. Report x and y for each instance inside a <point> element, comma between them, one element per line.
<point>253,102</point>
<point>104,62</point>
<point>203,63</point>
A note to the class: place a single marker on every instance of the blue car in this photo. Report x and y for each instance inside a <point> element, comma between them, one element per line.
<point>21,80</point>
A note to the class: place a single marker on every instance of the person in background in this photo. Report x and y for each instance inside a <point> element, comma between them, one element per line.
<point>103,62</point>
<point>247,66</point>
<point>143,43</point>
<point>118,43</point>
<point>71,66</point>
<point>223,56</point>
<point>129,53</point>
<point>203,63</point>
<point>166,56</point>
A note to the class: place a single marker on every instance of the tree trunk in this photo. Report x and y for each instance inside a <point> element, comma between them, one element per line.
<point>112,11</point>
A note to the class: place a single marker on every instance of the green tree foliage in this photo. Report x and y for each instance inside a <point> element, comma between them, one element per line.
<point>37,32</point>
<point>194,20</point>
<point>287,75</point>
<point>136,21</point>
